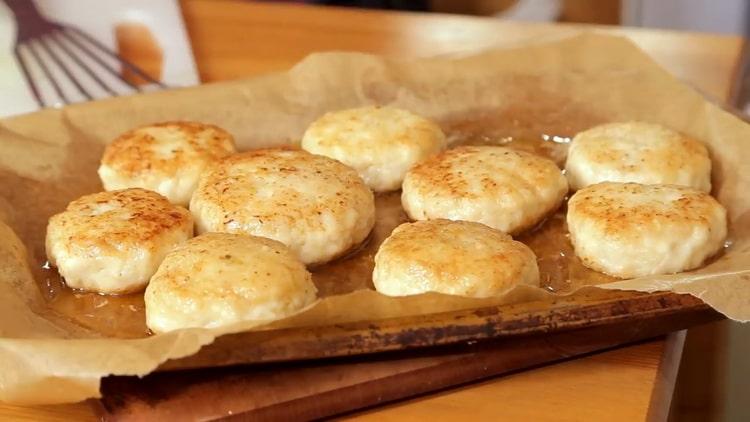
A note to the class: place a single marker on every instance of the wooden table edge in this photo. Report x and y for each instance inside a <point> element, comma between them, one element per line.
<point>666,376</point>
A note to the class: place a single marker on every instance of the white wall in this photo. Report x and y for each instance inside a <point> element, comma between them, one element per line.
<point>721,16</point>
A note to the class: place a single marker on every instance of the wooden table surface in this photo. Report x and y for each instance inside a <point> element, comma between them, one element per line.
<point>233,39</point>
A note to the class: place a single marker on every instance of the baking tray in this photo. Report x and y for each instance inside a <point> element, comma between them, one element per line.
<point>655,313</point>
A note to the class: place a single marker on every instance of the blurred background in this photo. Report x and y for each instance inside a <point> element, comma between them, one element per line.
<point>719,16</point>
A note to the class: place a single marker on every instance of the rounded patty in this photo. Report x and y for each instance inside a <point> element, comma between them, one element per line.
<point>632,230</point>
<point>217,279</point>
<point>167,158</point>
<point>637,152</point>
<point>452,257</point>
<point>112,242</point>
<point>317,206</point>
<point>503,188</point>
<point>381,143</point>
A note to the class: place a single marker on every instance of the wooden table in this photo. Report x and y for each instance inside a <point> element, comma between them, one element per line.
<point>233,39</point>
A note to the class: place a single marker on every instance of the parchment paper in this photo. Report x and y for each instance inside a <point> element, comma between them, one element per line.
<point>45,359</point>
